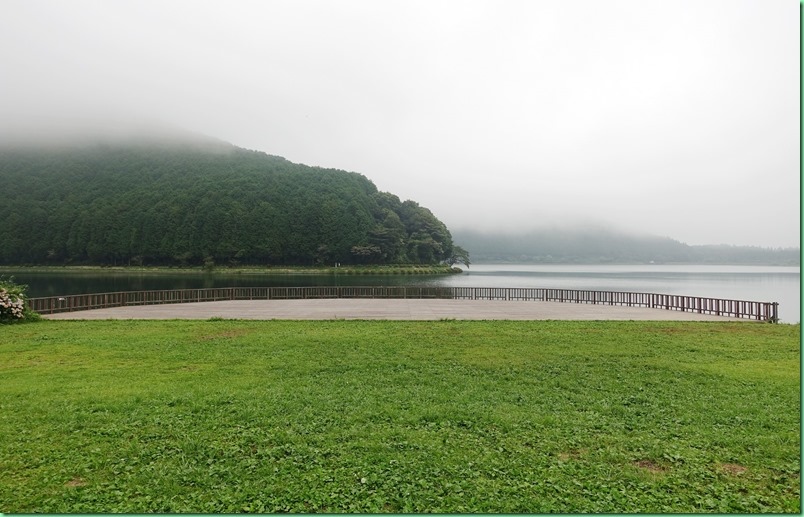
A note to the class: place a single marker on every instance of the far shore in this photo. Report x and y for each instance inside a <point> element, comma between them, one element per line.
<point>391,269</point>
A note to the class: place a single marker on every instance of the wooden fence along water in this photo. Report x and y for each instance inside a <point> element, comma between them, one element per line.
<point>761,311</point>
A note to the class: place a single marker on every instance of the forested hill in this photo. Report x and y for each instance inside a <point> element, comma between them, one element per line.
<point>194,204</point>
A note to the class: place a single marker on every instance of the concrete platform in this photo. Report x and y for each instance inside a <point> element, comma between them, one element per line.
<point>386,309</point>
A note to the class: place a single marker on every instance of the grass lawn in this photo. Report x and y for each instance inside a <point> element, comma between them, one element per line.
<point>372,416</point>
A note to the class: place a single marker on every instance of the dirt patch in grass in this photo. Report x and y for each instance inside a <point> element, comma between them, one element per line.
<point>733,469</point>
<point>650,466</point>
<point>75,482</point>
<point>573,454</point>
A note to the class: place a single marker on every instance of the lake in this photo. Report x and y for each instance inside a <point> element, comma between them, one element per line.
<point>754,283</point>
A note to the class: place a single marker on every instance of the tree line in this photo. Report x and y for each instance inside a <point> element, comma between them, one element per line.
<point>150,205</point>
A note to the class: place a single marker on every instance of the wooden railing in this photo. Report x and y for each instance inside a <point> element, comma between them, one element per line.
<point>761,311</point>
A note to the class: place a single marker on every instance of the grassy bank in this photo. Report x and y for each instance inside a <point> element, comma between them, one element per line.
<point>395,269</point>
<point>355,416</point>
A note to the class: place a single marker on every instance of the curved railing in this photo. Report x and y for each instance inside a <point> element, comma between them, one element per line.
<point>761,311</point>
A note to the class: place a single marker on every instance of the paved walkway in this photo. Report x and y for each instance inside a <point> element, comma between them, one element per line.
<point>385,309</point>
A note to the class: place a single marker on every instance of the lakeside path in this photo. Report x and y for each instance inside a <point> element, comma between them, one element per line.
<point>385,309</point>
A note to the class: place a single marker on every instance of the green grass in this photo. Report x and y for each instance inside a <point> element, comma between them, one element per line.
<point>357,416</point>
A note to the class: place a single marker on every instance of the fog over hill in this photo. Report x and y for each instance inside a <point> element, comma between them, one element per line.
<point>173,148</point>
<point>593,244</point>
<point>669,118</point>
<point>77,132</point>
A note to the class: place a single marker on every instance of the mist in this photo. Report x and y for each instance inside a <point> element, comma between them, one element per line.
<point>677,120</point>
<point>598,244</point>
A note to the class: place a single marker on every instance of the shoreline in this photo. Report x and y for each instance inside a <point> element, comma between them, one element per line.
<point>357,270</point>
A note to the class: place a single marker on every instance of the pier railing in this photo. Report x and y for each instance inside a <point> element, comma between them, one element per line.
<point>761,311</point>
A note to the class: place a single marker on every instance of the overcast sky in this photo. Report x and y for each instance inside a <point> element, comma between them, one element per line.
<point>678,119</point>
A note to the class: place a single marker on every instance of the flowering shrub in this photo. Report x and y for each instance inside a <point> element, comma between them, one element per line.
<point>11,306</point>
<point>12,303</point>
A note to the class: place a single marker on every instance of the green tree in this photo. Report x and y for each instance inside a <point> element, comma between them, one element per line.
<point>459,255</point>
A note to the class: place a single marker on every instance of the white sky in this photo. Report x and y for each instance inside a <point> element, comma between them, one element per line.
<point>678,118</point>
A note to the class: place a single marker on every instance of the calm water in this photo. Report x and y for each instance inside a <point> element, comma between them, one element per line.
<point>755,283</point>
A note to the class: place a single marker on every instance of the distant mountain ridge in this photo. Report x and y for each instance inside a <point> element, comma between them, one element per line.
<point>180,199</point>
<point>591,245</point>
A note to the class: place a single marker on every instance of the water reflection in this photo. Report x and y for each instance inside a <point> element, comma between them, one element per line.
<point>56,284</point>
